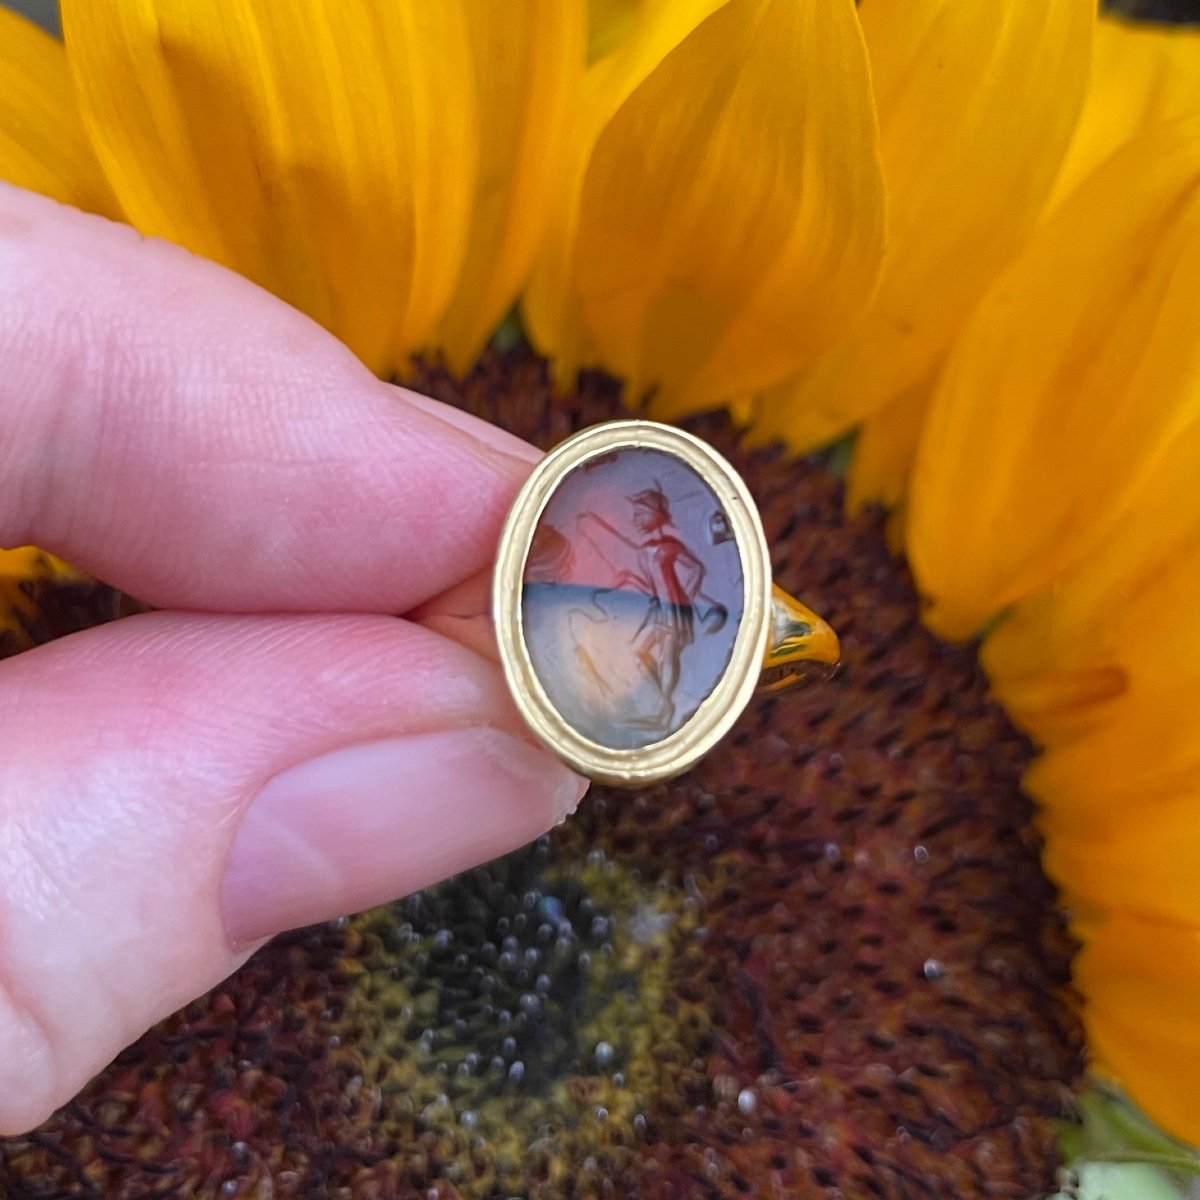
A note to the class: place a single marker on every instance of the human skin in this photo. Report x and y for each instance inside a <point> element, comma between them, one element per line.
<point>274,746</point>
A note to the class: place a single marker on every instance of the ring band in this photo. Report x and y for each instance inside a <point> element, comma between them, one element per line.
<point>633,604</point>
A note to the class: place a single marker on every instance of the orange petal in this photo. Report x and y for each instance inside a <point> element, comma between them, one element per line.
<point>529,63</point>
<point>611,22</point>
<point>1120,803</point>
<point>1141,980</point>
<point>1142,75</point>
<point>42,143</point>
<point>1066,390</point>
<point>730,220</point>
<point>327,151</point>
<point>1143,753</point>
<point>885,448</point>
<point>630,40</point>
<point>1141,740</point>
<point>1062,654</point>
<point>1133,858</point>
<point>977,102</point>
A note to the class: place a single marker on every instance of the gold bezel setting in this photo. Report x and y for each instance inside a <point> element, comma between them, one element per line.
<point>725,703</point>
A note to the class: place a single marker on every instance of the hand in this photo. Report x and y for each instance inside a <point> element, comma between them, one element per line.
<point>274,748</point>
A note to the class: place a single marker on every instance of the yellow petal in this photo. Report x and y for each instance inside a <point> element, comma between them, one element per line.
<point>1142,75</point>
<point>732,215</point>
<point>1141,979</point>
<point>327,151</point>
<point>976,103</point>
<point>42,143</point>
<point>1066,389</point>
<point>1144,754</point>
<point>1122,743</point>
<point>884,450</point>
<point>21,570</point>
<point>1138,748</point>
<point>730,220</point>
<point>1142,859</point>
<point>553,321</point>
<point>610,22</point>
<point>1057,706</point>
<point>529,61</point>
<point>1062,655</point>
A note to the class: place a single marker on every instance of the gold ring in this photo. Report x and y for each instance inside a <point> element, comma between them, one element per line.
<point>633,604</point>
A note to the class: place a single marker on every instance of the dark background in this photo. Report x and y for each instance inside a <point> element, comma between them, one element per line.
<point>44,12</point>
<point>1159,10</point>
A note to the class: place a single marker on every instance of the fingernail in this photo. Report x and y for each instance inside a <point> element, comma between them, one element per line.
<point>365,824</point>
<point>490,435</point>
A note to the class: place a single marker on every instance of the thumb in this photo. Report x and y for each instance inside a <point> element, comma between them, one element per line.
<point>177,787</point>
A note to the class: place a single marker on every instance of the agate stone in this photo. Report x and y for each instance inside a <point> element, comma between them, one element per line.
<point>632,597</point>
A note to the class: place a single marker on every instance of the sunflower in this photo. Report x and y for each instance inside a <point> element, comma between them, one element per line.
<point>967,232</point>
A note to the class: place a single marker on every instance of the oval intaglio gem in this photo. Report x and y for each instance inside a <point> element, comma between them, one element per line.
<point>632,595</point>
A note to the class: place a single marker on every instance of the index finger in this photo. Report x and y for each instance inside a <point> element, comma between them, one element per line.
<point>171,428</point>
